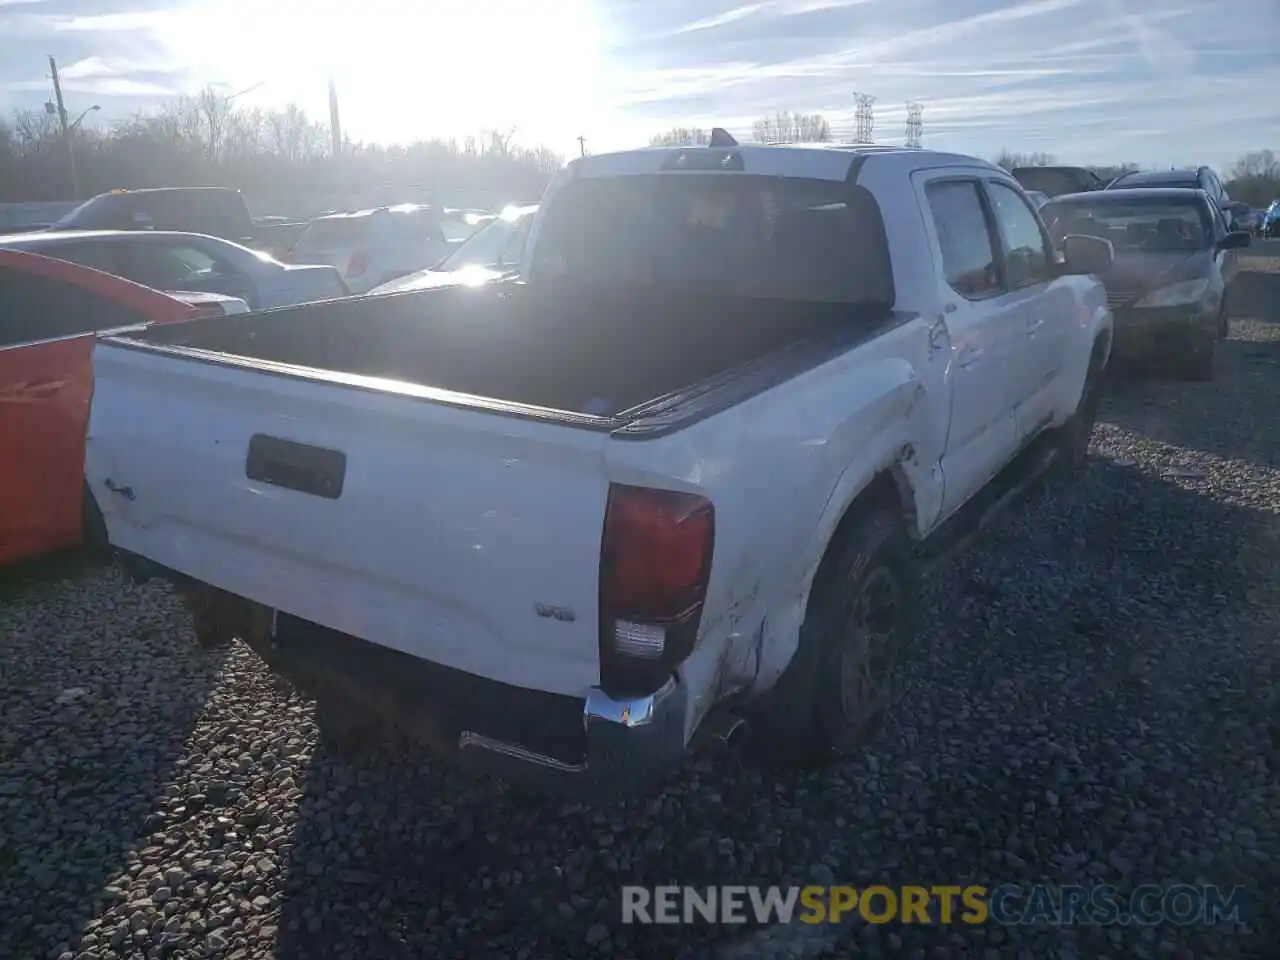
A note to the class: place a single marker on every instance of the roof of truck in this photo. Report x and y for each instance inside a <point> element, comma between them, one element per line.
<point>817,161</point>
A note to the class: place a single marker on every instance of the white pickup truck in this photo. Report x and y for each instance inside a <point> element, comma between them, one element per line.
<point>694,459</point>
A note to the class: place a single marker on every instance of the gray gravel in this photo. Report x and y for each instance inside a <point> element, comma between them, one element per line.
<point>1095,702</point>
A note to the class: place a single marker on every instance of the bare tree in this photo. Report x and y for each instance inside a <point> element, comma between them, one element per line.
<point>281,160</point>
<point>1255,164</point>
<point>34,130</point>
<point>214,110</point>
<point>1010,160</point>
<point>1255,178</point>
<point>787,127</point>
<point>681,137</point>
<point>293,135</point>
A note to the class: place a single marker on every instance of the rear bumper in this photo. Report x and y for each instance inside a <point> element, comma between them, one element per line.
<point>1160,332</point>
<point>592,747</point>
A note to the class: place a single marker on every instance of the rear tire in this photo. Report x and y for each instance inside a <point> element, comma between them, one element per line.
<point>346,732</point>
<point>93,529</point>
<point>1197,365</point>
<point>859,622</point>
<point>1074,435</point>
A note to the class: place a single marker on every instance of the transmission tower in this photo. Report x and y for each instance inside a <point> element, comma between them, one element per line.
<point>915,124</point>
<point>864,118</point>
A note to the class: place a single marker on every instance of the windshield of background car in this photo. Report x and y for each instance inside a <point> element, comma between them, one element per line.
<point>105,212</point>
<point>736,234</point>
<point>334,232</point>
<point>498,245</point>
<point>1157,224</point>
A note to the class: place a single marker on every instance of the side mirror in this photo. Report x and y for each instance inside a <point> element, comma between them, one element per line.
<point>1237,208</point>
<point>1085,255</point>
<point>1235,240</point>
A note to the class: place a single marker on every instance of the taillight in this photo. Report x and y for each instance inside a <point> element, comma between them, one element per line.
<point>358,264</point>
<point>655,560</point>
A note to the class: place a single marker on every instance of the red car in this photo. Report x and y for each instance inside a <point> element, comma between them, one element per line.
<point>49,312</point>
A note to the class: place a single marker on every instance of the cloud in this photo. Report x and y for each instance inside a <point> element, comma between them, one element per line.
<point>723,19</point>
<point>1088,79</point>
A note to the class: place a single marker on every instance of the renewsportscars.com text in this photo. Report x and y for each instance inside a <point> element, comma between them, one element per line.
<point>1007,905</point>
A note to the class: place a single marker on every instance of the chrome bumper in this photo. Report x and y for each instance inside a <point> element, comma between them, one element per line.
<point>629,744</point>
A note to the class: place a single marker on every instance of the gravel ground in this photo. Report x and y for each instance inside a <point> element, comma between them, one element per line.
<point>1096,702</point>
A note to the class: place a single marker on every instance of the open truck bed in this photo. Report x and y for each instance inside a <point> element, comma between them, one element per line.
<point>422,470</point>
<point>584,350</point>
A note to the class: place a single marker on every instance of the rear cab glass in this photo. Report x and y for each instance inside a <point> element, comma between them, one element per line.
<point>735,234</point>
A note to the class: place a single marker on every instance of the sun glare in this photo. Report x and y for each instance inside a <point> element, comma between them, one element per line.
<point>406,69</point>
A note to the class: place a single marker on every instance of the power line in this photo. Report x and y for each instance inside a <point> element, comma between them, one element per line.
<point>915,124</point>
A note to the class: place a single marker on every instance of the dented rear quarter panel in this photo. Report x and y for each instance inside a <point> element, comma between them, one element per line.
<point>780,475</point>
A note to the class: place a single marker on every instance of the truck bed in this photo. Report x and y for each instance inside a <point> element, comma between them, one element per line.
<point>585,350</point>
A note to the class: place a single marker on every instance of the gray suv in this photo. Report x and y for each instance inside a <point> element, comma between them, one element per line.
<point>1201,178</point>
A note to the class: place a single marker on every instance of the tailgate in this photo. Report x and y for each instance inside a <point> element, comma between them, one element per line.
<point>434,530</point>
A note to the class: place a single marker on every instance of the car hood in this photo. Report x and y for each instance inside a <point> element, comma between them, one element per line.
<point>431,279</point>
<point>1134,270</point>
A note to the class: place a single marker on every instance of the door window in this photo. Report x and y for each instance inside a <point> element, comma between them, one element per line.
<point>1026,248</point>
<point>169,266</point>
<point>101,256</point>
<point>35,307</point>
<point>968,253</point>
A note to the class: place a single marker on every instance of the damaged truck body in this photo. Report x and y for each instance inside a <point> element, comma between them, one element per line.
<point>686,464</point>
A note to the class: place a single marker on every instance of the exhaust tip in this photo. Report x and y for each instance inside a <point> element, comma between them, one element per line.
<point>719,731</point>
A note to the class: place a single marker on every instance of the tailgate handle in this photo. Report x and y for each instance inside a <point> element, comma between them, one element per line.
<point>296,466</point>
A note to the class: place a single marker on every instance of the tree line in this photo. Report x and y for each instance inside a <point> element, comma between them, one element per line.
<point>283,159</point>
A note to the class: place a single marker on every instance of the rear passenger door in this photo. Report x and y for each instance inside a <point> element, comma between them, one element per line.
<point>1039,305</point>
<point>982,431</point>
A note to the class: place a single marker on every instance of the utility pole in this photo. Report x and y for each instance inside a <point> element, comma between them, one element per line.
<point>582,145</point>
<point>335,125</point>
<point>66,132</point>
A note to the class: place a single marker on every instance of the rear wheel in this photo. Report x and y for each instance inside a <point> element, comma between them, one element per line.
<point>93,529</point>
<point>1197,365</point>
<point>346,731</point>
<point>859,622</point>
<point>1075,434</point>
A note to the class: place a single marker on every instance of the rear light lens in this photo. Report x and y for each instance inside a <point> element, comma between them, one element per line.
<point>655,564</point>
<point>358,264</point>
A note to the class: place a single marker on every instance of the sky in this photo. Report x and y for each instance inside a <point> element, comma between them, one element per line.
<point>1157,82</point>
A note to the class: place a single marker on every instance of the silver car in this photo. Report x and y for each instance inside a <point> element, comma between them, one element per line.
<point>371,247</point>
<point>187,262</point>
